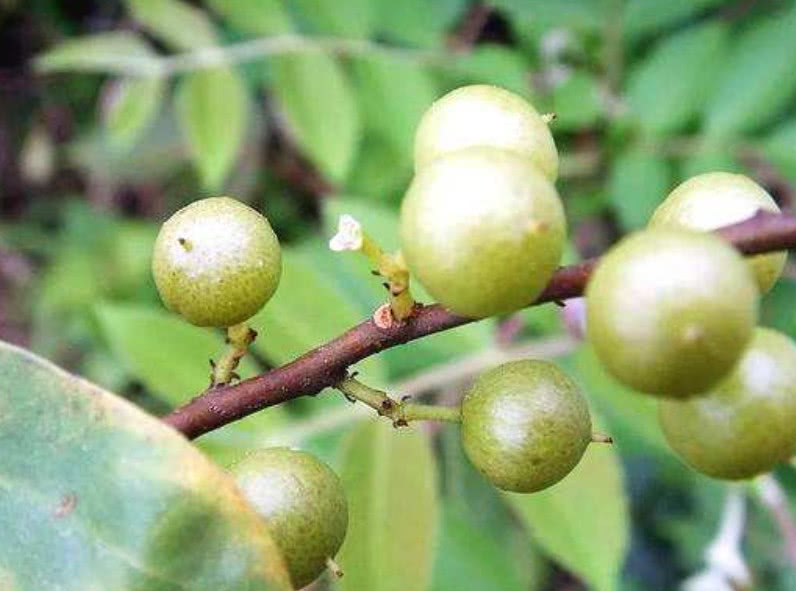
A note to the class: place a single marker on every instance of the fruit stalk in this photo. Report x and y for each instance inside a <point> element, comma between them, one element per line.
<point>326,365</point>
<point>399,412</point>
<point>239,337</point>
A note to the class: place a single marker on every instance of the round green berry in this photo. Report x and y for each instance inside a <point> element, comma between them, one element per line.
<point>670,311</point>
<point>746,424</point>
<point>525,425</point>
<point>216,262</point>
<point>483,115</point>
<point>711,200</point>
<point>482,231</point>
<point>302,501</point>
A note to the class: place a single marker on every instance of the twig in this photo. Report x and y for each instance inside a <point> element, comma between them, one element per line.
<point>325,366</point>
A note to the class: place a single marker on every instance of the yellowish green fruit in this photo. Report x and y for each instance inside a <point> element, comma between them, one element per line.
<point>670,311</point>
<point>302,501</point>
<point>216,262</point>
<point>525,425</point>
<point>483,115</point>
<point>482,230</point>
<point>711,200</point>
<point>746,424</point>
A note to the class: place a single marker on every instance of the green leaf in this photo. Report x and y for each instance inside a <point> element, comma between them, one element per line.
<point>644,17</point>
<point>778,148</point>
<point>638,182</point>
<point>470,557</point>
<point>632,417</point>
<point>259,17</point>
<point>320,110</point>
<point>757,81</point>
<point>572,14</point>
<point>104,52</point>
<point>169,356</point>
<point>133,103</point>
<point>492,64</point>
<point>213,111</point>
<point>583,521</point>
<point>671,85</point>
<point>710,159</point>
<point>174,22</point>
<point>344,18</point>
<point>400,89</point>
<point>576,103</point>
<point>381,173</point>
<point>418,22</point>
<point>307,310</point>
<point>390,480</point>
<point>108,496</point>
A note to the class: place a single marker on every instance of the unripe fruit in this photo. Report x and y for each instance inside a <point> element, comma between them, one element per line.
<point>525,425</point>
<point>216,262</point>
<point>746,424</point>
<point>670,311</point>
<point>302,501</point>
<point>709,201</point>
<point>482,230</point>
<point>483,115</point>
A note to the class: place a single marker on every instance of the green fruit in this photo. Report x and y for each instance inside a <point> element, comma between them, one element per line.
<point>746,424</point>
<point>482,230</point>
<point>302,501</point>
<point>525,425</point>
<point>216,262</point>
<point>709,201</point>
<point>482,115</point>
<point>670,311</point>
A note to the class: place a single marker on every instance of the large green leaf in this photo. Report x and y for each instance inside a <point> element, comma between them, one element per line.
<point>583,522</point>
<point>213,110</point>
<point>320,109</point>
<point>757,81</point>
<point>492,64</point>
<point>390,480</point>
<point>673,82</point>
<point>133,103</point>
<point>176,23</point>
<point>638,182</point>
<point>104,52</point>
<point>95,494</point>
<point>169,356</point>
<point>577,103</point>
<point>260,17</point>
<point>400,89</point>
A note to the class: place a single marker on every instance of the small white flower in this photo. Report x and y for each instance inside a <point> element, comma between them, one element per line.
<point>349,235</point>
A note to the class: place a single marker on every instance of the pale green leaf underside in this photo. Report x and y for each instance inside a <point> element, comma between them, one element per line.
<point>113,52</point>
<point>174,22</point>
<point>135,103</point>
<point>583,522</point>
<point>213,110</point>
<point>95,494</point>
<point>390,480</point>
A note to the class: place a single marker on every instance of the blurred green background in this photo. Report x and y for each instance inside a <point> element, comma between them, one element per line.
<point>114,114</point>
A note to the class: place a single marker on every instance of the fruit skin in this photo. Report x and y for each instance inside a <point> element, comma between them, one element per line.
<point>670,311</point>
<point>483,115</point>
<point>746,424</point>
<point>482,230</point>
<point>216,262</point>
<point>525,425</point>
<point>303,502</point>
<point>714,199</point>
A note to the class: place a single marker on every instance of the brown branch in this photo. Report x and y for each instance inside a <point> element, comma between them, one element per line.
<point>325,366</point>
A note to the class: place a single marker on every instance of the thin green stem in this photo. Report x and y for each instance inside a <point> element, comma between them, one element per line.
<point>399,412</point>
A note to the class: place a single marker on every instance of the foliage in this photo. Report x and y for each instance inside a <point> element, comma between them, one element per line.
<point>106,131</point>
